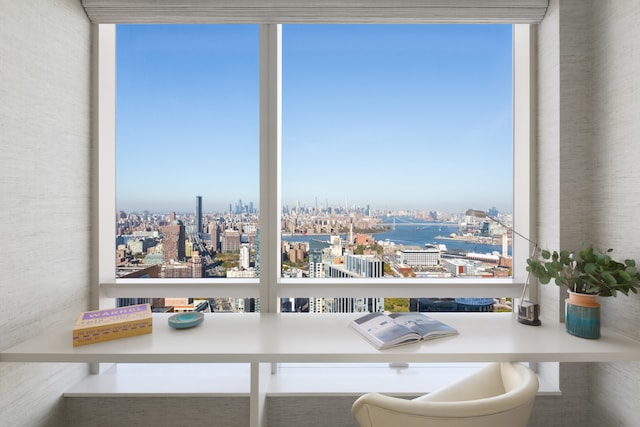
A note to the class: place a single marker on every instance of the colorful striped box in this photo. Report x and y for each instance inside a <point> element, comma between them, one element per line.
<point>104,325</point>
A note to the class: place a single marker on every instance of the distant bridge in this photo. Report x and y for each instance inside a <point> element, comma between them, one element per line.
<point>395,223</point>
<point>422,224</point>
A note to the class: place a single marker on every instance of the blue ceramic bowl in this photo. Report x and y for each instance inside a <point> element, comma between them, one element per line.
<point>186,320</point>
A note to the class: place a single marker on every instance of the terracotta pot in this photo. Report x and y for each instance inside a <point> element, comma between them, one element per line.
<point>582,315</point>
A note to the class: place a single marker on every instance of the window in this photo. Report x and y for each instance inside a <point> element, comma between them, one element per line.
<point>388,133</point>
<point>269,287</point>
<point>187,157</point>
<point>306,112</point>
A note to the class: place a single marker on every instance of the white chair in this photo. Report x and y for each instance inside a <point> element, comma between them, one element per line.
<point>498,395</point>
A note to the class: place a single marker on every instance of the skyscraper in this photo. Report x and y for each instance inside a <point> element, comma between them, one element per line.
<point>230,240</point>
<point>244,256</point>
<point>174,241</point>
<point>197,268</point>
<point>316,264</point>
<point>215,237</point>
<point>199,213</point>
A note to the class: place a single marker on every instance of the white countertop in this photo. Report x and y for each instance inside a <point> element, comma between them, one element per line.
<point>305,338</point>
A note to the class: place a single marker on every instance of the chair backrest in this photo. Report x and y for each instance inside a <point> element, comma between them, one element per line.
<point>498,395</point>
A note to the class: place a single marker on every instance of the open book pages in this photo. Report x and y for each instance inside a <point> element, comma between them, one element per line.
<point>390,330</point>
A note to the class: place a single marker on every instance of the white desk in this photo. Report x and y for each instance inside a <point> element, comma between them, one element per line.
<point>262,339</point>
<point>298,337</point>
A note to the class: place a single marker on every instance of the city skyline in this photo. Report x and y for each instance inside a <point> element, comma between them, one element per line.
<point>391,116</point>
<point>252,208</point>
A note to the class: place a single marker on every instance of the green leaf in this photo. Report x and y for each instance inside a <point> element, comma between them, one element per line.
<point>609,279</point>
<point>590,268</point>
<point>544,278</point>
<point>591,289</point>
<point>626,277</point>
<point>564,256</point>
<point>586,253</point>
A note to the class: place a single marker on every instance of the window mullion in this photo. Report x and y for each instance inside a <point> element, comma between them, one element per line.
<point>523,156</point>
<point>104,137</point>
<point>270,138</point>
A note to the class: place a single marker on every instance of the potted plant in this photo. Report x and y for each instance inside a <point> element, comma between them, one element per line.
<point>586,274</point>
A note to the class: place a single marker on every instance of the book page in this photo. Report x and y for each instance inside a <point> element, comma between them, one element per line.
<point>384,330</point>
<point>423,324</point>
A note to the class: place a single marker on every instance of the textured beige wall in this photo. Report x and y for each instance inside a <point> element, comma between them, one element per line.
<point>186,411</point>
<point>564,146</point>
<point>44,187</point>
<point>616,134</point>
<point>548,147</point>
<point>615,388</point>
<point>564,156</point>
<point>589,125</point>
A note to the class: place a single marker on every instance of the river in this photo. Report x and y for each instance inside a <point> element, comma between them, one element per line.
<point>417,234</point>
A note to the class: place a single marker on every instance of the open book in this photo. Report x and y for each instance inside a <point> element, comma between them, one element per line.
<point>390,330</point>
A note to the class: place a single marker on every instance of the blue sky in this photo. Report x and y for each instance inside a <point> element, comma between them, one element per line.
<point>391,116</point>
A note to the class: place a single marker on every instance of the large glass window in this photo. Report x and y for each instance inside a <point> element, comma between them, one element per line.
<point>187,147</point>
<point>187,156</point>
<point>390,133</point>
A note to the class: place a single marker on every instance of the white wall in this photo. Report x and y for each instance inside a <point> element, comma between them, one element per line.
<point>44,186</point>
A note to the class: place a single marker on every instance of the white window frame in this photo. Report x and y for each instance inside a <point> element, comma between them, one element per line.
<point>270,286</point>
